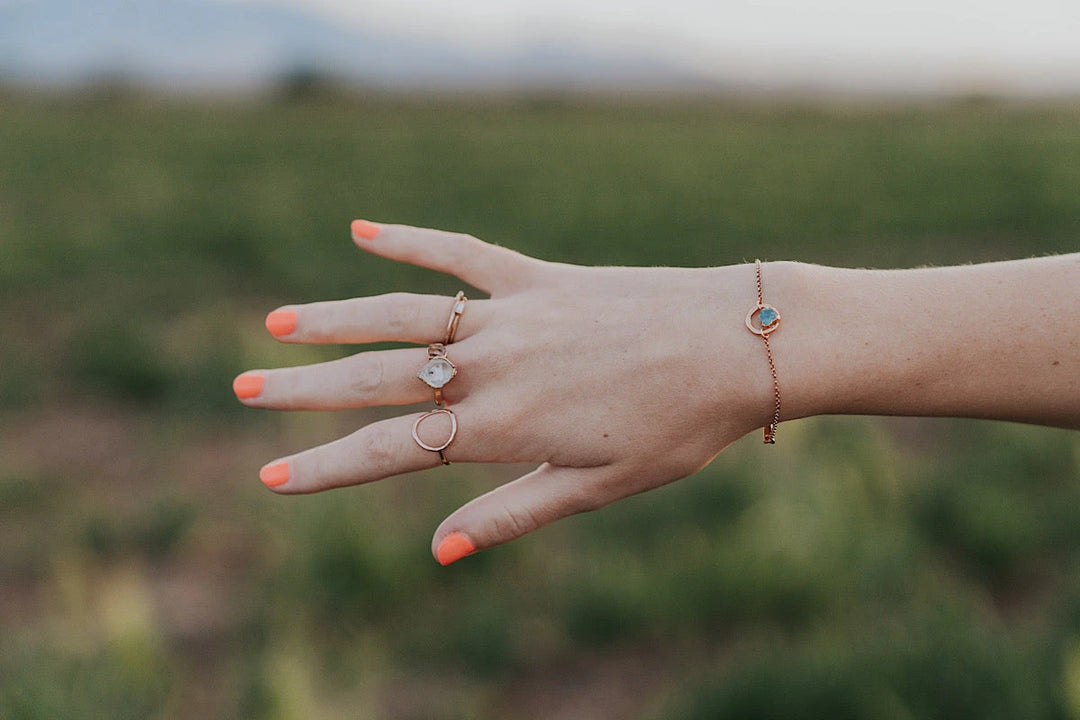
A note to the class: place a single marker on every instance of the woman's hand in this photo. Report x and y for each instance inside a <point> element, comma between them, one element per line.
<point>615,380</point>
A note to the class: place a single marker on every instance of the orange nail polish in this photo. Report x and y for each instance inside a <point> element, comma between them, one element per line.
<point>281,322</point>
<point>364,229</point>
<point>248,385</point>
<point>454,547</point>
<point>275,474</point>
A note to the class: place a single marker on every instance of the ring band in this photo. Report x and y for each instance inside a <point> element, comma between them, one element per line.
<point>439,370</point>
<point>436,448</point>
<point>436,373</point>
<point>455,317</point>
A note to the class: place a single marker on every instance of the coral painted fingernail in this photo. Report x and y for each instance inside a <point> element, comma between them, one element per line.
<point>364,229</point>
<point>454,547</point>
<point>248,385</point>
<point>281,322</point>
<point>275,474</point>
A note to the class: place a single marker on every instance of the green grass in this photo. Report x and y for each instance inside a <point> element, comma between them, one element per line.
<point>861,569</point>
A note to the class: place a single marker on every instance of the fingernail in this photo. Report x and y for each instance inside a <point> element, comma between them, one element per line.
<point>454,547</point>
<point>275,474</point>
<point>281,322</point>
<point>364,229</point>
<point>248,385</point>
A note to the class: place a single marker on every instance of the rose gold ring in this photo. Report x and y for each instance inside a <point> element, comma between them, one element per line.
<point>439,370</point>
<point>436,373</point>
<point>455,317</point>
<point>436,448</point>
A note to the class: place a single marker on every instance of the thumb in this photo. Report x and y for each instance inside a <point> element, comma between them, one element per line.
<point>546,494</point>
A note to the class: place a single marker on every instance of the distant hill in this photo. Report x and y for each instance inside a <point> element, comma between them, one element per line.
<point>202,43</point>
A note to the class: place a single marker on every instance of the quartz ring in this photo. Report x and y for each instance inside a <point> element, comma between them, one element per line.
<point>439,370</point>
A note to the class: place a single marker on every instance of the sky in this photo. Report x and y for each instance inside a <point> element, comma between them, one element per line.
<point>1037,28</point>
<point>1020,44</point>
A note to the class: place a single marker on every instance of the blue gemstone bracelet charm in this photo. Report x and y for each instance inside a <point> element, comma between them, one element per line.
<point>768,319</point>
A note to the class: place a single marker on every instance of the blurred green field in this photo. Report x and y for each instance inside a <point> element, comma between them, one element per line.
<point>863,568</point>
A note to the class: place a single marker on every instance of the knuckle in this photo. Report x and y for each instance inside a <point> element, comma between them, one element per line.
<point>528,271</point>
<point>402,314</point>
<point>379,450</point>
<point>515,522</point>
<point>597,492</point>
<point>584,501</point>
<point>367,378</point>
<point>323,473</point>
<point>466,245</point>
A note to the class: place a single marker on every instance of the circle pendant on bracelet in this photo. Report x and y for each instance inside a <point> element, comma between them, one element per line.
<point>768,319</point>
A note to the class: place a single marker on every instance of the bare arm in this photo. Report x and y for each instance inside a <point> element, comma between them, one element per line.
<point>618,380</point>
<point>999,340</point>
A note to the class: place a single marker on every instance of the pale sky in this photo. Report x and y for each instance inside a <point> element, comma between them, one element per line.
<point>1018,46</point>
<point>977,43</point>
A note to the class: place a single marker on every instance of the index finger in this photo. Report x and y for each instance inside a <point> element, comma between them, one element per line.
<point>400,317</point>
<point>490,268</point>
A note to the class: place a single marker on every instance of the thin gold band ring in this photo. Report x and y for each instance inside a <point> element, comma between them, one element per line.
<point>455,317</point>
<point>436,373</point>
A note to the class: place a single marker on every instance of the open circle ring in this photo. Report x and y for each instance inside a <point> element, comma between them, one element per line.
<point>436,448</point>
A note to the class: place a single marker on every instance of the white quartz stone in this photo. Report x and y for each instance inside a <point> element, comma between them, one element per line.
<point>437,372</point>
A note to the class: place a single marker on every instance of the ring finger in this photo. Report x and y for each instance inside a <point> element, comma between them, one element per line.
<point>384,377</point>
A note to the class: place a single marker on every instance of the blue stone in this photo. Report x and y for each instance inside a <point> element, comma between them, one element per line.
<point>768,316</point>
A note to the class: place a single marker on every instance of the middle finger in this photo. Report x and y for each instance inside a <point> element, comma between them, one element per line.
<point>384,377</point>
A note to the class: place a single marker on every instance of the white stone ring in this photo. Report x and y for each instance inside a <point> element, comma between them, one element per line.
<point>439,370</point>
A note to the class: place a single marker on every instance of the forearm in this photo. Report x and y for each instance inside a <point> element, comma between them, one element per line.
<point>619,380</point>
<point>999,340</point>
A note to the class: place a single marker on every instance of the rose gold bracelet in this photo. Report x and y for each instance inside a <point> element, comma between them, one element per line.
<point>767,322</point>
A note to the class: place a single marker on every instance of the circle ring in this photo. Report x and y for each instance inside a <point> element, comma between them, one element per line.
<point>436,448</point>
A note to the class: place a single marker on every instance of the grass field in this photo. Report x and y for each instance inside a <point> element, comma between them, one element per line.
<point>862,568</point>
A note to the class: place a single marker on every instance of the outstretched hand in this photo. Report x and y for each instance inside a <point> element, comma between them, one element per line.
<point>616,380</point>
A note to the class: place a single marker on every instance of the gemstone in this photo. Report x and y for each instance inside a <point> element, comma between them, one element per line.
<point>768,316</point>
<point>437,372</point>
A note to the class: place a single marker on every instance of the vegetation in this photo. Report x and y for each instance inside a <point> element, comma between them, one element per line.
<point>862,568</point>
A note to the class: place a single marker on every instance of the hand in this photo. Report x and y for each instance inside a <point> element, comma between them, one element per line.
<point>615,380</point>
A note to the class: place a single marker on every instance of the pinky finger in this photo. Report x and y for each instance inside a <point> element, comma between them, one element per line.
<point>373,452</point>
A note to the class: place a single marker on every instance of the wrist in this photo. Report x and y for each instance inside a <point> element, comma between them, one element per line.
<point>804,347</point>
<point>797,346</point>
<point>957,341</point>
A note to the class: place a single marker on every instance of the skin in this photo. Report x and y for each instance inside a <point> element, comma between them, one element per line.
<point>619,380</point>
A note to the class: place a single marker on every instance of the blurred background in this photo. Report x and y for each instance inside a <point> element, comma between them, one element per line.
<point>171,171</point>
